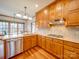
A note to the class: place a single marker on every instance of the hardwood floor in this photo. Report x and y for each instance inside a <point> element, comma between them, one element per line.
<point>35,53</point>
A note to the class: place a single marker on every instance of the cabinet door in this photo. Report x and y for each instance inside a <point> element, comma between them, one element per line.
<point>72,5</point>
<point>39,17</point>
<point>70,55</point>
<point>59,10</point>
<point>39,41</point>
<point>43,42</point>
<point>71,52</point>
<point>48,44</point>
<point>73,17</point>
<point>52,12</point>
<point>42,18</point>
<point>34,40</point>
<point>72,13</point>
<point>57,49</point>
<point>26,43</point>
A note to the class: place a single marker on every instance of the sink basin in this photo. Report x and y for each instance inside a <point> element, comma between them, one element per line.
<point>55,35</point>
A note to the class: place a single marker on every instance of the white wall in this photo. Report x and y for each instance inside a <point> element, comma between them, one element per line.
<point>28,26</point>
<point>70,34</point>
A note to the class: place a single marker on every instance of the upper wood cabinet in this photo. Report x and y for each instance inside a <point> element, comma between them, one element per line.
<point>66,9</point>
<point>71,10</point>
<point>42,18</point>
<point>59,6</point>
<point>51,12</point>
<point>71,5</point>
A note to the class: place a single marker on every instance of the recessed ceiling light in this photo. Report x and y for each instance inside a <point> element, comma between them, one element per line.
<point>46,11</point>
<point>18,15</point>
<point>36,5</point>
<point>25,17</point>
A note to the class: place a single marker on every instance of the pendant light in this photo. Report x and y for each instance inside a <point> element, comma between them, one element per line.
<point>25,16</point>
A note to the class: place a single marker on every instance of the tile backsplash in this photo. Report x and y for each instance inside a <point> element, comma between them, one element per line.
<point>68,33</point>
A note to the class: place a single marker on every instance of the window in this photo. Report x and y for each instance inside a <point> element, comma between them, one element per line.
<point>20,28</point>
<point>11,28</point>
<point>0,26</point>
<point>4,28</point>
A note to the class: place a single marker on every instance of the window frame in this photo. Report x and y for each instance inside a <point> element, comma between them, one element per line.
<point>9,22</point>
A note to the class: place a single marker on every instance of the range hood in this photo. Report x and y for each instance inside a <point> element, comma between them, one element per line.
<point>57,22</point>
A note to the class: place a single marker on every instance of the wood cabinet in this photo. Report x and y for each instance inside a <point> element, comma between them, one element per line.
<point>34,40</point>
<point>71,5</point>
<point>57,48</point>
<point>42,18</point>
<point>39,41</point>
<point>48,44</point>
<point>53,46</point>
<point>72,18</point>
<point>27,43</point>
<point>72,13</point>
<point>43,42</point>
<point>52,12</point>
<point>39,19</point>
<point>59,7</point>
<point>71,50</point>
<point>60,48</point>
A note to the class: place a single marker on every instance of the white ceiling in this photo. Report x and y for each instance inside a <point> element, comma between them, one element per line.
<point>9,7</point>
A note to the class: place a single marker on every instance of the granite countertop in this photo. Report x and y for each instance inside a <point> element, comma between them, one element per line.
<point>10,37</point>
<point>54,36</point>
<point>20,36</point>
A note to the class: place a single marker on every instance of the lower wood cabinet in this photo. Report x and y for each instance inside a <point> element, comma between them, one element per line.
<point>53,46</point>
<point>70,54</point>
<point>71,50</point>
<point>34,40</point>
<point>48,44</point>
<point>57,48</point>
<point>43,42</point>
<point>27,43</point>
<point>60,48</point>
<point>39,41</point>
